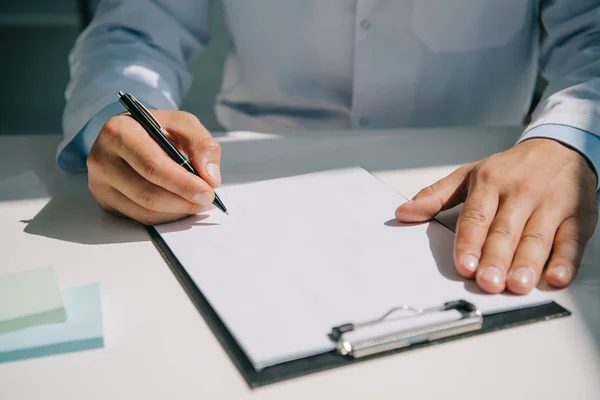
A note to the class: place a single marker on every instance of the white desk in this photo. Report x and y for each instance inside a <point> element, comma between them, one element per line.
<point>156,344</point>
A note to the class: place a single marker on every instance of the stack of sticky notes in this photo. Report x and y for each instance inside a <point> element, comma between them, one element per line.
<point>37,319</point>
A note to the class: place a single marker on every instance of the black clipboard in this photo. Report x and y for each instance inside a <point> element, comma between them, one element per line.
<point>325,361</point>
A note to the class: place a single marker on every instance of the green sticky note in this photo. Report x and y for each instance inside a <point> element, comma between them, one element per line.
<point>81,331</point>
<point>30,298</point>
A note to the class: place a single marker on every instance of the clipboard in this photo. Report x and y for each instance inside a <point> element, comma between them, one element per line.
<point>472,322</point>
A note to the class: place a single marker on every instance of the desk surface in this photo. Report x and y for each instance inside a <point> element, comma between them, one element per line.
<point>156,344</point>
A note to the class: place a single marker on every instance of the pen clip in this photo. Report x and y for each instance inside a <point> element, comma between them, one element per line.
<point>146,112</point>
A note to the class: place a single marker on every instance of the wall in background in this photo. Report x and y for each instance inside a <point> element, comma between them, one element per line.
<point>35,39</point>
<point>207,70</point>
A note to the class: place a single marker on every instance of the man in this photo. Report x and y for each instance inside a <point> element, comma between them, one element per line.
<point>329,64</point>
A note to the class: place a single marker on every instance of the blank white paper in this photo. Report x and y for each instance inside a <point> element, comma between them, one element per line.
<point>300,255</point>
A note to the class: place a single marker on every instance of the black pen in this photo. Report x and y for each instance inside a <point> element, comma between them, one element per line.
<point>156,131</point>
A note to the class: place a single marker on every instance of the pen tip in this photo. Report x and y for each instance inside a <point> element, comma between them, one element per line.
<point>227,212</point>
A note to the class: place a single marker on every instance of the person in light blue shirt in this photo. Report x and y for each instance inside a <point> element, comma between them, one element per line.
<point>335,64</point>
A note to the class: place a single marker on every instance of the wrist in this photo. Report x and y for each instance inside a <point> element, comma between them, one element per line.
<point>562,152</point>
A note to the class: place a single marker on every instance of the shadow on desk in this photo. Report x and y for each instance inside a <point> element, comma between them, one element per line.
<point>80,220</point>
<point>585,290</point>
<point>73,215</point>
<point>269,156</point>
<point>28,166</point>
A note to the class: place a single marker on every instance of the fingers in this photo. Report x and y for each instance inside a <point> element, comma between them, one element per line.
<point>129,173</point>
<point>533,250</point>
<point>151,162</point>
<point>534,245</point>
<point>203,150</point>
<point>148,195</point>
<point>569,244</point>
<point>113,201</point>
<point>472,226</point>
<point>205,156</point>
<point>444,194</point>
<point>500,245</point>
<point>540,187</point>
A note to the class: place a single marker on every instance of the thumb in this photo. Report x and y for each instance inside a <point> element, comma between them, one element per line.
<point>442,195</point>
<point>203,150</point>
<point>205,156</point>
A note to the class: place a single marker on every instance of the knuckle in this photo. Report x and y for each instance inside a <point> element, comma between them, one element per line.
<point>571,238</point>
<point>488,174</point>
<point>578,240</point>
<point>151,170</point>
<point>188,115</point>
<point>184,190</point>
<point>474,216</point>
<point>148,199</point>
<point>502,230</point>
<point>192,118</point>
<point>112,137</point>
<point>538,238</point>
<point>111,128</point>
<point>523,189</point>
<point>209,143</point>
<point>187,118</point>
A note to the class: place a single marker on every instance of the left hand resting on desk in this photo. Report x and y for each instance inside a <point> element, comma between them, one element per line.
<point>532,205</point>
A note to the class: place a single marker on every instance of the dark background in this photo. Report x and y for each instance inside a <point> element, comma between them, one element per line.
<point>35,39</point>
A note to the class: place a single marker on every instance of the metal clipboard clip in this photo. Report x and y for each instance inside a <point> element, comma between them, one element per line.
<point>470,320</point>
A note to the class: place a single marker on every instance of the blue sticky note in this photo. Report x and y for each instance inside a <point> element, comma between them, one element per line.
<point>81,331</point>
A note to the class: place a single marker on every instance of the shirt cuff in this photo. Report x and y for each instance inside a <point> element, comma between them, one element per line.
<point>586,143</point>
<point>86,137</point>
<point>72,153</point>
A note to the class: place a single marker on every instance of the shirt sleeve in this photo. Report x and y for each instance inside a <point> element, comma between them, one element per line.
<point>570,62</point>
<point>135,46</point>
<point>585,143</point>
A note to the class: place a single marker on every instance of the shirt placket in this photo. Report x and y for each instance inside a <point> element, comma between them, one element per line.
<point>361,116</point>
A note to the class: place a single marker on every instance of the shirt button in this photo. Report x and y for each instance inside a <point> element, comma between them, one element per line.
<point>365,24</point>
<point>363,122</point>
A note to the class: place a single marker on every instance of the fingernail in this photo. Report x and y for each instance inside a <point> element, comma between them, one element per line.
<point>470,262</point>
<point>492,275</point>
<point>214,171</point>
<point>523,276</point>
<point>203,198</point>
<point>561,273</point>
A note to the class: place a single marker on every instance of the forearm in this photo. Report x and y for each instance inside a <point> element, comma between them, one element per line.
<point>123,50</point>
<point>569,111</point>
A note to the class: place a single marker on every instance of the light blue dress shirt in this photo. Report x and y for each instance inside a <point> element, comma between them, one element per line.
<point>335,64</point>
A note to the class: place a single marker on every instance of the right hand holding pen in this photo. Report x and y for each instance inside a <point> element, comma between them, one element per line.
<point>129,174</point>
